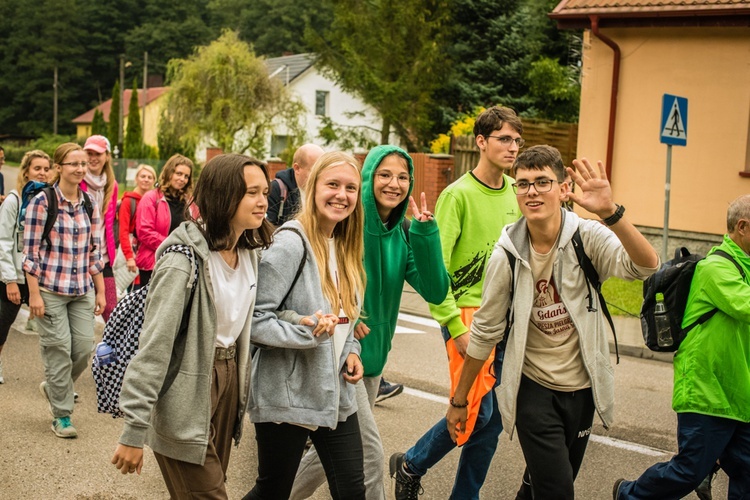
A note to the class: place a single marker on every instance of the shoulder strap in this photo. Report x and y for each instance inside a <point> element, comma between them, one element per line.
<point>301,264</point>
<point>52,209</point>
<point>709,314</point>
<point>132,208</point>
<point>405,225</point>
<point>283,192</point>
<point>508,315</point>
<point>592,278</point>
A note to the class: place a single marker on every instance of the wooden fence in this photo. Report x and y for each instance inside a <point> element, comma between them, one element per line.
<point>563,136</point>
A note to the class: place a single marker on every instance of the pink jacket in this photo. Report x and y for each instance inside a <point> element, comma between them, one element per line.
<point>152,221</point>
<point>109,223</point>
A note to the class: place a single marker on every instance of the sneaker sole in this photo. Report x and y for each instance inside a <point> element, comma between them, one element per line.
<point>383,397</point>
<point>64,436</point>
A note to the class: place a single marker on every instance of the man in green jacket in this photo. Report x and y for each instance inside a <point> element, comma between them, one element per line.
<point>711,376</point>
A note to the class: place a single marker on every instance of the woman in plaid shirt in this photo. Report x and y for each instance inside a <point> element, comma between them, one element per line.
<point>66,287</point>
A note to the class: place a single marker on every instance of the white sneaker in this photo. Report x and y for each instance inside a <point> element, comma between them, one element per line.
<point>2,380</point>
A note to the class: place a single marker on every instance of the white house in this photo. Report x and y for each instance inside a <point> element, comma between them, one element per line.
<point>323,98</point>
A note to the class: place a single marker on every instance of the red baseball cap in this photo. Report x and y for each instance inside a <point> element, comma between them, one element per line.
<point>97,143</point>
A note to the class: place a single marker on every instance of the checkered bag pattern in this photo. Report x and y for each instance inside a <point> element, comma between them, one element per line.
<point>121,333</point>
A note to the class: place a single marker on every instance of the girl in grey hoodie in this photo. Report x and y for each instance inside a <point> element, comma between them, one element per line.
<point>302,380</point>
<point>185,393</point>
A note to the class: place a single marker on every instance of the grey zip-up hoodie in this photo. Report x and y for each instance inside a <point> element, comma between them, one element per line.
<point>609,258</point>
<point>177,424</point>
<point>296,376</point>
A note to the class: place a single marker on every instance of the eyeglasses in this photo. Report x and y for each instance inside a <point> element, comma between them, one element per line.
<point>540,185</point>
<point>505,140</point>
<point>387,177</point>
<point>76,164</point>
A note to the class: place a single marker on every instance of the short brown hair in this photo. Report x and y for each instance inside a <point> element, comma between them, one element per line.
<point>539,157</point>
<point>493,119</point>
<point>218,194</point>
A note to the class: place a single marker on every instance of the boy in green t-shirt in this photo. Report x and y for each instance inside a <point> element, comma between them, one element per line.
<point>470,213</point>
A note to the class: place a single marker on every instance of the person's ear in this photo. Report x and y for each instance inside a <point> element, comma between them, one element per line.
<point>481,142</point>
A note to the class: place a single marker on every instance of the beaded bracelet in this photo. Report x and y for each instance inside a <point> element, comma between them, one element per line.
<point>456,405</point>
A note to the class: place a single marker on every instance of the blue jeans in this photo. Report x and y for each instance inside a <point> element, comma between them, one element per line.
<point>701,440</point>
<point>476,454</point>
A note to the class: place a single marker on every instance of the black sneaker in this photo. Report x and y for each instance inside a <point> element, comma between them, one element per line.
<point>387,390</point>
<point>616,489</point>
<point>407,485</point>
<point>704,489</point>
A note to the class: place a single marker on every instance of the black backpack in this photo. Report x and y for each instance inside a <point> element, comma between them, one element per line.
<point>53,210</point>
<point>673,281</point>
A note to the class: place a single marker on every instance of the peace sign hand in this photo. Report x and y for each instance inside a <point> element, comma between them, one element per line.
<point>596,193</point>
<point>420,215</point>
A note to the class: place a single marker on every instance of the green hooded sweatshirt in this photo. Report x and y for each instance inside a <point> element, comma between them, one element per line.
<point>712,365</point>
<point>390,259</point>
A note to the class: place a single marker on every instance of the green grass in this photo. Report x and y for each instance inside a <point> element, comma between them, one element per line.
<point>623,295</point>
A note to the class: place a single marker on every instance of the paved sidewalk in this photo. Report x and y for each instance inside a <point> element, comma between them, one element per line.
<point>629,336</point>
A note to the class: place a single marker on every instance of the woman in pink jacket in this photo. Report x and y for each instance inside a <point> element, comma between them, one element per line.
<point>100,183</point>
<point>161,210</point>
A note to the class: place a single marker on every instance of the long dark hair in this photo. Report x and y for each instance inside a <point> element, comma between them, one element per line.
<point>218,193</point>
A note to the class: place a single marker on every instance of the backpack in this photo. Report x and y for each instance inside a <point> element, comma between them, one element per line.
<point>592,280</point>
<point>283,192</point>
<point>52,208</point>
<point>120,342</point>
<point>116,227</point>
<point>673,281</point>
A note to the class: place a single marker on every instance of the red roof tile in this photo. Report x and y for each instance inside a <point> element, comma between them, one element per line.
<point>106,106</point>
<point>644,7</point>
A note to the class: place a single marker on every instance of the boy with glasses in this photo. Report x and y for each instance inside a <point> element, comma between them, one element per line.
<point>470,213</point>
<point>556,370</point>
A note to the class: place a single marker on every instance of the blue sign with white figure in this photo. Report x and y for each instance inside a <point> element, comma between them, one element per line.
<point>674,115</point>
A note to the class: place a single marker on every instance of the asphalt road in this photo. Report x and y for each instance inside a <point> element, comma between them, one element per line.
<point>36,464</point>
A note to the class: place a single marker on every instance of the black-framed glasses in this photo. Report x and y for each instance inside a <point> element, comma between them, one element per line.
<point>505,140</point>
<point>76,164</point>
<point>387,177</point>
<point>540,185</point>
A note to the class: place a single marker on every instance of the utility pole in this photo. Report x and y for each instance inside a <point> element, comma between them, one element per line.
<point>54,103</point>
<point>145,96</point>
<point>122,103</point>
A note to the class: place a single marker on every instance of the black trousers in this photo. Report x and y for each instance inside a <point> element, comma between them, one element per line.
<point>280,449</point>
<point>553,430</point>
<point>9,310</point>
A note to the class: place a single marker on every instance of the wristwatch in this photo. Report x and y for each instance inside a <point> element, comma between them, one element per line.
<point>615,217</point>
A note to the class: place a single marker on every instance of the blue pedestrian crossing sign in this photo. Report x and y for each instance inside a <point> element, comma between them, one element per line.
<point>674,115</point>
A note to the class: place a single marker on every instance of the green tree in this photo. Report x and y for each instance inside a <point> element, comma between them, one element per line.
<point>493,47</point>
<point>391,54</point>
<point>222,95</point>
<point>133,147</point>
<point>113,130</point>
<point>274,27</point>
<point>555,90</point>
<point>98,125</point>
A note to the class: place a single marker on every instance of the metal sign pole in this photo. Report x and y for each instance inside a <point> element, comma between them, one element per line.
<point>667,189</point>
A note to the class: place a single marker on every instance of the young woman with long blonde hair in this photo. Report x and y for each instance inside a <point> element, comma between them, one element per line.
<point>304,379</point>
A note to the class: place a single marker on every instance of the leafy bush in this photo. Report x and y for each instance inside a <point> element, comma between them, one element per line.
<point>623,297</point>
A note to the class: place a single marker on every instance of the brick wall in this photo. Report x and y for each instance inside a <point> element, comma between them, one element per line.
<point>432,174</point>
<point>274,166</point>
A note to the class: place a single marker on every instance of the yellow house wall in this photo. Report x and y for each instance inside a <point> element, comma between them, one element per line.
<point>153,114</point>
<point>709,66</point>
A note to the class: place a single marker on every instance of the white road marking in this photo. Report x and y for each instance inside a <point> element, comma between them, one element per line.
<point>419,320</point>
<point>607,441</point>
<point>425,395</point>
<point>403,329</point>
<point>626,445</point>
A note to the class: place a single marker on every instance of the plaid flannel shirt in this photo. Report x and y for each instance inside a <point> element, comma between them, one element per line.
<point>67,265</point>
